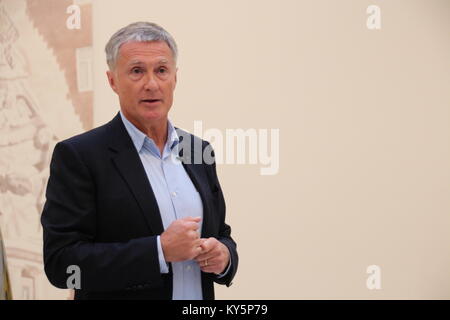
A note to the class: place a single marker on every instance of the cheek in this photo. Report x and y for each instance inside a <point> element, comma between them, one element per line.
<point>169,89</point>
<point>129,91</point>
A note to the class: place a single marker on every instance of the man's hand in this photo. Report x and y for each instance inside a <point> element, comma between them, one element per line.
<point>214,257</point>
<point>181,241</point>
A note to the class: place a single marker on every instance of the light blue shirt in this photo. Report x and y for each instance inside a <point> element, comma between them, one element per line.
<point>177,198</point>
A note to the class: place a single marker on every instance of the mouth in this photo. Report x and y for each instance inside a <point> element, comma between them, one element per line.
<point>151,101</point>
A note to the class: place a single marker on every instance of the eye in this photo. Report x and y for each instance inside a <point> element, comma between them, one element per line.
<point>136,70</point>
<point>162,70</point>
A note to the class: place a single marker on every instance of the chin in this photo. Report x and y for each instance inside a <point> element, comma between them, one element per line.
<point>153,115</point>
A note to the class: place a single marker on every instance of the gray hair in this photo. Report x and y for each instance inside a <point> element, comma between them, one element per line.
<point>137,32</point>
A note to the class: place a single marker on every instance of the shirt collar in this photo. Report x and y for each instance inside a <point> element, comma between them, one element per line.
<point>138,137</point>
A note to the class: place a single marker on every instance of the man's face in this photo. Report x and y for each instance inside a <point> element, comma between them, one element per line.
<point>144,79</point>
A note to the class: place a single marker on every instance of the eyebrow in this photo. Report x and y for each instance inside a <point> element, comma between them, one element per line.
<point>139,62</point>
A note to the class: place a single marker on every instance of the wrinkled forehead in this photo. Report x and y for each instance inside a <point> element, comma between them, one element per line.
<point>144,52</point>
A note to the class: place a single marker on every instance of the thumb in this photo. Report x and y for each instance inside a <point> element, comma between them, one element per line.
<point>206,243</point>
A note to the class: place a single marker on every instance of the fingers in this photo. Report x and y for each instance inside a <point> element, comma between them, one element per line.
<point>208,262</point>
<point>209,244</point>
<point>181,240</point>
<point>192,223</point>
<point>213,266</point>
<point>206,256</point>
<point>210,249</point>
<point>196,250</point>
<point>192,226</point>
<point>199,251</point>
<point>216,259</point>
<point>191,234</point>
<point>208,269</point>
<point>194,219</point>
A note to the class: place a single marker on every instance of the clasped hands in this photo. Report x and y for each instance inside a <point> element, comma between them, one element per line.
<point>181,241</point>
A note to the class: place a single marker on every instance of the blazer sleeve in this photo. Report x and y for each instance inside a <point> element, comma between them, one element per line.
<point>69,225</point>
<point>225,229</point>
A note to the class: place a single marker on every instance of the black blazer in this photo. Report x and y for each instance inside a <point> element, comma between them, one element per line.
<point>101,215</point>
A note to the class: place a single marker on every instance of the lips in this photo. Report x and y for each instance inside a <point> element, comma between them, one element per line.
<point>150,100</point>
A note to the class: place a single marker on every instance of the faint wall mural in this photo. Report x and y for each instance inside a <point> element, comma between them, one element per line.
<point>45,96</point>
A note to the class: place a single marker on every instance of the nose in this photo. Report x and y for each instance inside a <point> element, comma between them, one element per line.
<point>151,83</point>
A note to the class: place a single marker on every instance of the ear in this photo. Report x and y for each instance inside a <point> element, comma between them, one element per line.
<point>111,80</point>
<point>176,71</point>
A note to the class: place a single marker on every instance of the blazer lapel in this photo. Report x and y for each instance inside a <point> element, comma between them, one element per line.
<point>191,171</point>
<point>195,174</point>
<point>127,161</point>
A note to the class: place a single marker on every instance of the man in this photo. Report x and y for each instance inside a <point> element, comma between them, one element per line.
<point>126,203</point>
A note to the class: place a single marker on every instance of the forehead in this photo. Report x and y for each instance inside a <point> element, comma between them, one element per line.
<point>149,51</point>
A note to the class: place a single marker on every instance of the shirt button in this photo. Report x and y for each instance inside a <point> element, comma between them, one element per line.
<point>174,194</point>
<point>188,268</point>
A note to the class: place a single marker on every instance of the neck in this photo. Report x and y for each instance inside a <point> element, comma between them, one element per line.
<point>158,133</point>
<point>156,130</point>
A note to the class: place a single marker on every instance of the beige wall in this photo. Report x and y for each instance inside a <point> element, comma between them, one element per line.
<point>364,136</point>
